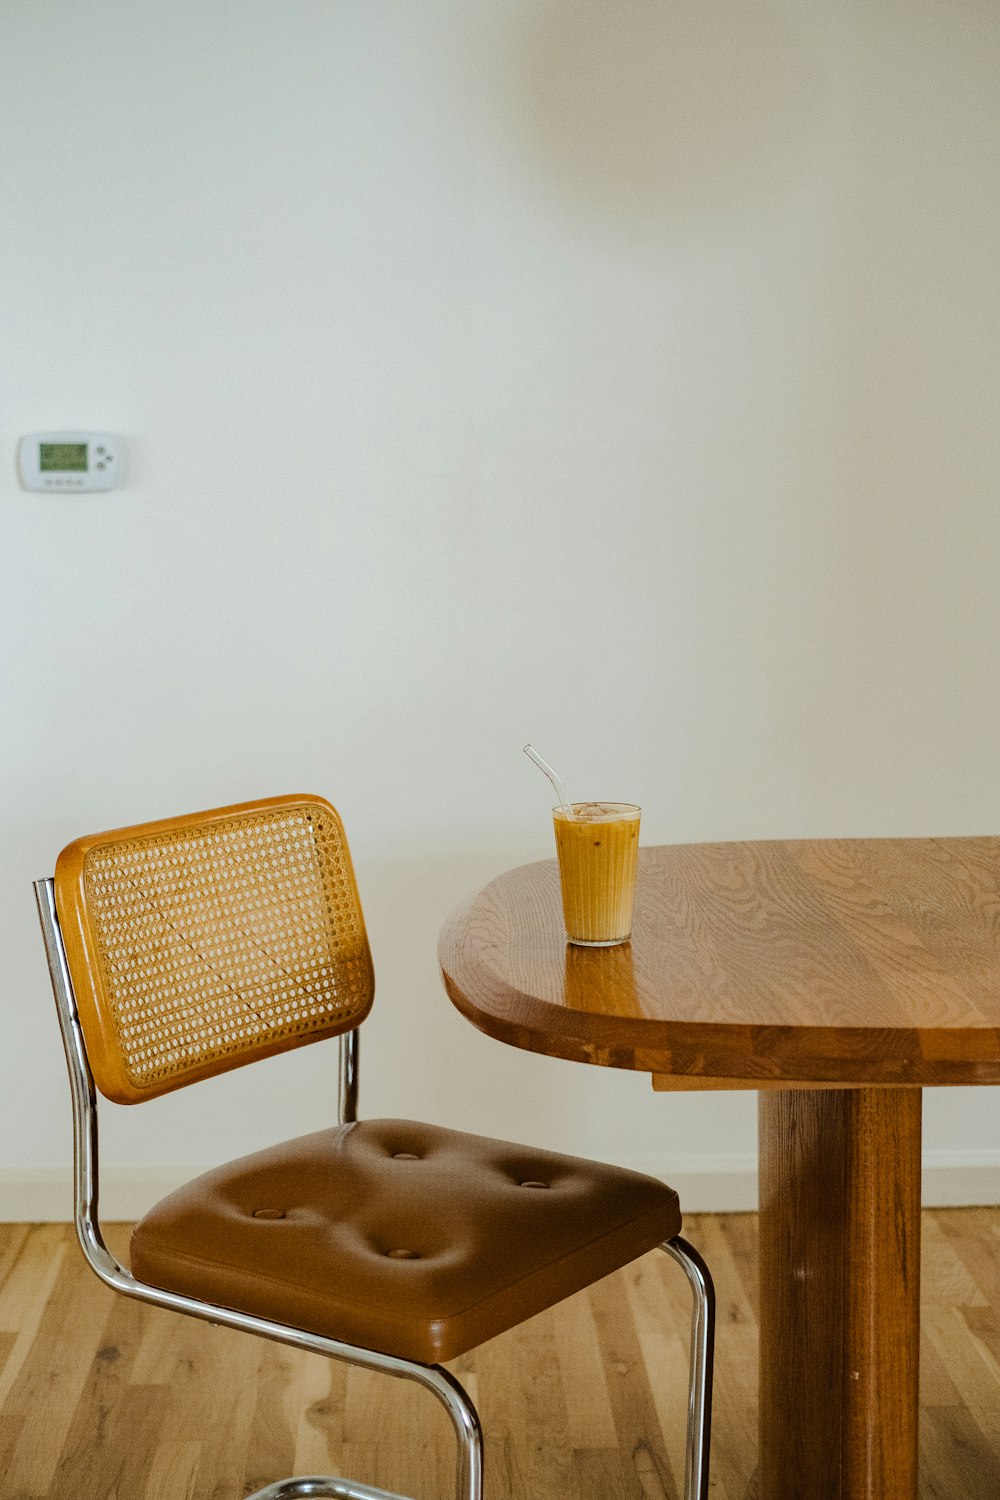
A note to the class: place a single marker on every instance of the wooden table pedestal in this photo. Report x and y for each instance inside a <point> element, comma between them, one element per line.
<point>840,1293</point>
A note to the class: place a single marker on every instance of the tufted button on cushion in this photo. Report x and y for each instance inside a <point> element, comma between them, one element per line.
<point>422,1264</point>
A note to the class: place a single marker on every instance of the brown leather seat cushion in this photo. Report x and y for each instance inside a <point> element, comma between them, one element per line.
<point>410,1239</point>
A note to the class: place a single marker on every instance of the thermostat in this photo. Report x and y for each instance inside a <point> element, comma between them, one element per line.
<point>67,461</point>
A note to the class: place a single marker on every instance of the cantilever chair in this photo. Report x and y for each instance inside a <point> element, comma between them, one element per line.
<point>184,948</point>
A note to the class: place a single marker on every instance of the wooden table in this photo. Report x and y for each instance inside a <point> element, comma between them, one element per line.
<point>838,978</point>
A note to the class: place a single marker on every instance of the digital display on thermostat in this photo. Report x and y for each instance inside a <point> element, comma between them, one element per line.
<point>62,457</point>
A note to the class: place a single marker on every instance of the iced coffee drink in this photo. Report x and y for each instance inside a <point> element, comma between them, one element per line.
<point>597,847</point>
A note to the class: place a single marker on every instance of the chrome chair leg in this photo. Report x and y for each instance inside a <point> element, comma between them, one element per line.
<point>701,1366</point>
<point>317,1484</point>
<point>469,1476</point>
<point>468,1431</point>
<point>469,1472</point>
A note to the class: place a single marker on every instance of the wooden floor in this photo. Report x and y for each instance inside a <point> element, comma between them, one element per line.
<point>102,1399</point>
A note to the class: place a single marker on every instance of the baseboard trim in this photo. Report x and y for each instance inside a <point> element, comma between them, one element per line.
<point>45,1195</point>
<point>951,1179</point>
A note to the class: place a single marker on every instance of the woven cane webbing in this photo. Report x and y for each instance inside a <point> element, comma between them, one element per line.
<point>221,942</point>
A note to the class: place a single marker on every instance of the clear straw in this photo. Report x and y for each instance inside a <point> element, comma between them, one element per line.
<point>564,803</point>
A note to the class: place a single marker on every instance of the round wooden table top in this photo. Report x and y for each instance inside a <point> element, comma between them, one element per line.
<point>835,961</point>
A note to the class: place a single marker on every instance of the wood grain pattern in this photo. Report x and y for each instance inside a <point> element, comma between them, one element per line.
<point>853,961</point>
<point>840,1283</point>
<point>584,1402</point>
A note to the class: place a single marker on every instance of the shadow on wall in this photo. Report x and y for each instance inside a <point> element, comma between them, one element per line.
<point>662,112</point>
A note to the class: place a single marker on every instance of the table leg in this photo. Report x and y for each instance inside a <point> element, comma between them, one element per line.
<point>839,1293</point>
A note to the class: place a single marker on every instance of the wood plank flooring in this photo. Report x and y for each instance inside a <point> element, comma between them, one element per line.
<point>102,1399</point>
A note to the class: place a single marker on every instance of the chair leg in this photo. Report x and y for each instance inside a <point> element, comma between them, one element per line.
<point>325,1485</point>
<point>468,1433</point>
<point>701,1366</point>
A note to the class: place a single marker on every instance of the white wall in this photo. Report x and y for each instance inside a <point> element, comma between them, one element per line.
<point>619,376</point>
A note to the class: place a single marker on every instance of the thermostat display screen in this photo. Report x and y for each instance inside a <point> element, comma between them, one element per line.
<point>62,456</point>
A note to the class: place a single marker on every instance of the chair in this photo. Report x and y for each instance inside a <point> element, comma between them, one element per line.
<point>184,948</point>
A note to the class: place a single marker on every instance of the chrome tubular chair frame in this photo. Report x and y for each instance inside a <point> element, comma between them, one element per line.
<point>702,1360</point>
<point>439,1381</point>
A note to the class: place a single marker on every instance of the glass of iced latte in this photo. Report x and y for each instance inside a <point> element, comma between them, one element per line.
<point>597,847</point>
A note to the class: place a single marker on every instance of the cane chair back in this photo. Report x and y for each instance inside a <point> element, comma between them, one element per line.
<point>204,942</point>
